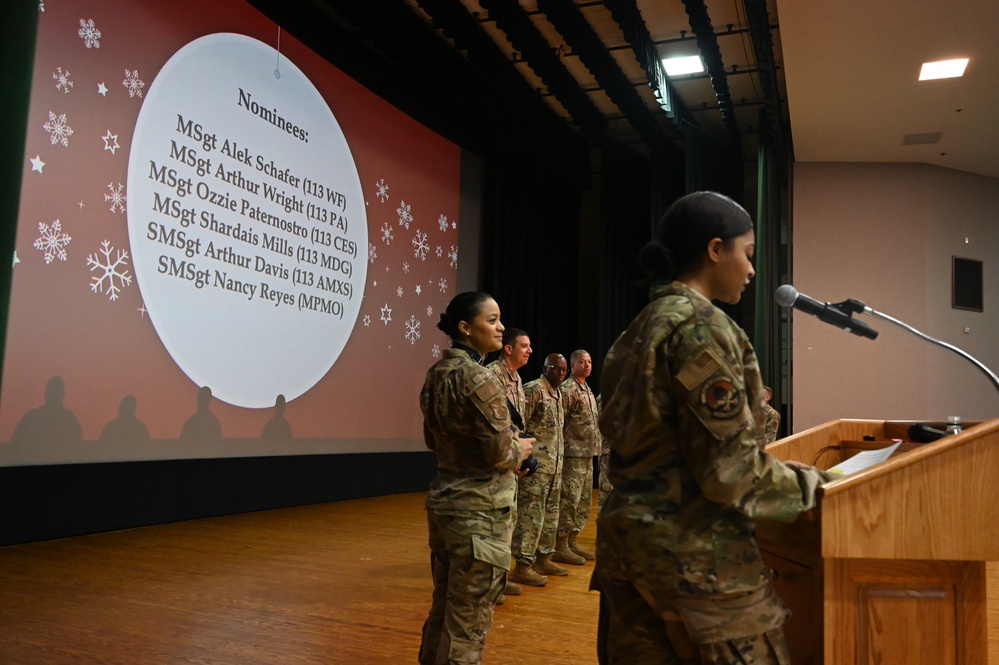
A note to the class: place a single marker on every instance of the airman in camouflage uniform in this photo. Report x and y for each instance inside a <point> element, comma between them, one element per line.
<point>467,424</point>
<point>582,444</point>
<point>515,353</point>
<point>603,468</point>
<point>538,494</point>
<point>680,575</point>
<point>773,416</point>
<point>683,406</point>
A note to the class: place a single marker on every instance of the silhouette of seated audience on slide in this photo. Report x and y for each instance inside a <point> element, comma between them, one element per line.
<point>54,424</point>
<point>50,423</point>
<point>277,429</point>
<point>203,426</point>
<point>126,428</point>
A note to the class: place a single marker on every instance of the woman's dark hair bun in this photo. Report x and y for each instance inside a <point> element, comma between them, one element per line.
<point>656,260</point>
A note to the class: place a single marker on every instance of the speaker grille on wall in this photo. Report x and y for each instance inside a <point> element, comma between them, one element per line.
<point>922,139</point>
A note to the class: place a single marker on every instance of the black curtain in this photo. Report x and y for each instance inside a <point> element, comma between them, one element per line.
<point>530,243</point>
<point>717,167</point>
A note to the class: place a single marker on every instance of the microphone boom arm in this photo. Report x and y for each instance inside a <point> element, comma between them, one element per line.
<point>853,304</point>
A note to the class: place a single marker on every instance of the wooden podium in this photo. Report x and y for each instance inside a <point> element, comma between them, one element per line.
<point>900,564</point>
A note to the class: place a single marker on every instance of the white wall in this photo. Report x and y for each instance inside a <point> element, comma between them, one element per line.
<point>884,234</point>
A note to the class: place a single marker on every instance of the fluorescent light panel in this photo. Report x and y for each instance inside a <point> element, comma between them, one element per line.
<point>943,69</point>
<point>689,64</point>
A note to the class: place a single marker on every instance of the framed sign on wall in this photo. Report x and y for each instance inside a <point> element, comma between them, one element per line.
<point>966,280</point>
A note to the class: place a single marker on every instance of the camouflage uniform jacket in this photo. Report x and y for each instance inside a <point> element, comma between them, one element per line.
<point>466,422</point>
<point>772,424</point>
<point>582,435</point>
<point>512,384</point>
<point>545,419</point>
<point>682,403</point>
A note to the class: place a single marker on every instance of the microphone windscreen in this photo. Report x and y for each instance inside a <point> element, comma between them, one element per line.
<point>786,295</point>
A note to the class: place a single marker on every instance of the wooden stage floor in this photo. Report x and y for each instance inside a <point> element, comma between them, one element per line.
<point>344,583</point>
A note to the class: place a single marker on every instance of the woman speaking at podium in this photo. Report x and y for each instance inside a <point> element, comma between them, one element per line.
<point>681,577</point>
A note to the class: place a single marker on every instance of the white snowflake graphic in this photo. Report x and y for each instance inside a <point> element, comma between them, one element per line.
<point>133,84</point>
<point>52,241</point>
<point>89,33</point>
<point>386,234</point>
<point>116,197</point>
<point>58,128</point>
<point>420,246</point>
<point>372,254</point>
<point>398,291</point>
<point>367,320</point>
<point>405,267</point>
<point>386,314</point>
<point>436,351</point>
<point>452,256</point>
<point>442,284</point>
<point>382,192</point>
<point>440,252</point>
<point>104,281</point>
<point>62,80</point>
<point>442,223</point>
<point>430,311</point>
<point>405,214</point>
<point>412,330</point>
<point>111,143</point>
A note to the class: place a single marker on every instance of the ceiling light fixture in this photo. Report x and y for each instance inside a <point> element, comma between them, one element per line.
<point>943,69</point>
<point>689,64</point>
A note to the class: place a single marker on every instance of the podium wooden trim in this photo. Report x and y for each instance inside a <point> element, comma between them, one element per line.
<point>899,564</point>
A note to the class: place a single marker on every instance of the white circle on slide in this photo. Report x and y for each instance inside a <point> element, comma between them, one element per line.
<point>246,220</point>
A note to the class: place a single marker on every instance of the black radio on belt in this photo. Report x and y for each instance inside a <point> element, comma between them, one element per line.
<point>531,463</point>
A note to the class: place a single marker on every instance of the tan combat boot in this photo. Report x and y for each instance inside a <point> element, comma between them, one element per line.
<point>546,566</point>
<point>563,554</point>
<point>578,549</point>
<point>511,588</point>
<point>524,574</point>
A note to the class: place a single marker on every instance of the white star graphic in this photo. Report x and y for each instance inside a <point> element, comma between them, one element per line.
<point>111,142</point>
<point>37,164</point>
<point>16,260</point>
<point>80,203</point>
<point>102,89</point>
<point>386,314</point>
<point>142,310</point>
<point>419,289</point>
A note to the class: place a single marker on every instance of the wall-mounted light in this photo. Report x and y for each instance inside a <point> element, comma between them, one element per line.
<point>943,69</point>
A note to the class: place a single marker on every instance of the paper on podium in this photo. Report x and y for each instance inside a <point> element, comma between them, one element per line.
<point>863,460</point>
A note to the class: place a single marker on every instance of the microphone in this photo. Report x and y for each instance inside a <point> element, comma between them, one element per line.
<point>788,296</point>
<point>923,433</point>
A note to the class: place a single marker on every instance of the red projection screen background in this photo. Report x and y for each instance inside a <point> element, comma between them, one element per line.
<point>225,247</point>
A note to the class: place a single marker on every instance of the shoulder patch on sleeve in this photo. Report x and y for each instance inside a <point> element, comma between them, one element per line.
<point>487,390</point>
<point>722,397</point>
<point>698,370</point>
